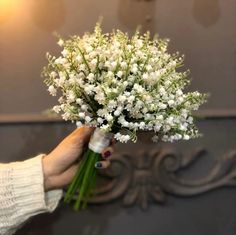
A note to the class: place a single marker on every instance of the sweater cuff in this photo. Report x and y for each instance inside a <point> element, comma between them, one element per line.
<point>28,188</point>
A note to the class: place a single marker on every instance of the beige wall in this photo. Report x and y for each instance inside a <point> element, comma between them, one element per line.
<point>204,30</point>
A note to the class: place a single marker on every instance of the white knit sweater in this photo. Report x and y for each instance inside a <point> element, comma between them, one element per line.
<point>22,194</point>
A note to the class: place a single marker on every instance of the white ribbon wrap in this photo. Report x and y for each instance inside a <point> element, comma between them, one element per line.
<point>100,140</point>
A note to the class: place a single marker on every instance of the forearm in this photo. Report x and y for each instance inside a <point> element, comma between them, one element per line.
<point>22,194</point>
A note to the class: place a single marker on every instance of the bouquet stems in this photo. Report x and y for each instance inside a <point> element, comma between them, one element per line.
<point>84,182</point>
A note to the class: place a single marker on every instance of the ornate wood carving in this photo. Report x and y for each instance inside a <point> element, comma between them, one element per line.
<point>150,177</point>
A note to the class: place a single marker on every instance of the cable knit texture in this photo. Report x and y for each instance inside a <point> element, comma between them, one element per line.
<point>22,194</point>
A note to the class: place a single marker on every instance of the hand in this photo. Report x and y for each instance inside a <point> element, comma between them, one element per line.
<point>61,164</point>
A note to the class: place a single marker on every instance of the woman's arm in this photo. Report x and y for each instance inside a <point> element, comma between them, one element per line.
<point>34,186</point>
<point>22,194</point>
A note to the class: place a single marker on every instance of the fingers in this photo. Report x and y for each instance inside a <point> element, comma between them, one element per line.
<point>113,142</point>
<point>70,173</point>
<point>102,164</point>
<point>69,150</point>
<point>82,134</point>
<point>107,152</point>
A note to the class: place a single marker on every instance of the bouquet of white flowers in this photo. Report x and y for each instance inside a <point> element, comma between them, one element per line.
<point>119,85</point>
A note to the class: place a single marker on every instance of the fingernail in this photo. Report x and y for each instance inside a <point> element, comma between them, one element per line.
<point>98,165</point>
<point>107,154</point>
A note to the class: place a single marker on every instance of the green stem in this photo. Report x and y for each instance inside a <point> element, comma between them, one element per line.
<point>92,183</point>
<point>84,59</point>
<point>76,181</point>
<point>84,187</point>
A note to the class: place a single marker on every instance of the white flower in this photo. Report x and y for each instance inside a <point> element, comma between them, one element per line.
<point>100,120</point>
<point>180,99</point>
<point>84,107</point>
<point>105,127</point>
<point>66,116</point>
<point>71,97</point>
<point>88,119</point>
<point>145,76</point>
<point>91,77</point>
<point>89,89</point>
<point>100,97</point>
<point>79,101</point>
<point>139,104</point>
<point>129,47</point>
<point>121,98</point>
<point>57,108</point>
<point>61,61</point>
<point>162,90</point>
<point>52,90</point>
<point>183,127</point>
<point>123,64</point>
<point>139,43</point>
<point>142,125</point>
<point>122,138</point>
<point>112,104</point>
<point>170,120</point>
<point>82,115</point>
<point>119,74</point>
<point>159,117</point>
<point>125,83</point>
<point>155,138</point>
<point>89,49</point>
<point>109,117</point>
<point>79,58</point>
<point>162,106</point>
<point>148,67</point>
<point>53,75</point>
<point>65,52</point>
<point>178,136</point>
<point>131,98</point>
<point>102,112</point>
<point>117,113</point>
<point>171,103</point>
<point>113,64</point>
<point>179,92</point>
<point>186,137</point>
<point>157,127</point>
<point>60,42</point>
<point>145,110</point>
<point>82,67</point>
<point>190,120</point>
<point>113,79</point>
<point>94,62</point>
<point>138,88</point>
<point>79,124</point>
<point>134,69</point>
<point>61,100</point>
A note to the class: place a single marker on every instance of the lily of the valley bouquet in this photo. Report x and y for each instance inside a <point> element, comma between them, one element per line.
<point>119,85</point>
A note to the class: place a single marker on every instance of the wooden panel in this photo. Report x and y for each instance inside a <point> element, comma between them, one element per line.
<point>215,167</point>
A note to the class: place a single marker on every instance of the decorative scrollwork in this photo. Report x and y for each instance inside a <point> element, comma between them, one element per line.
<point>150,176</point>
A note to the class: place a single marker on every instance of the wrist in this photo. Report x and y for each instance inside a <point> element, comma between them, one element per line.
<point>47,174</point>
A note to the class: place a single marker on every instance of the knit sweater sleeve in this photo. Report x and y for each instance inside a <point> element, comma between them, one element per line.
<point>22,194</point>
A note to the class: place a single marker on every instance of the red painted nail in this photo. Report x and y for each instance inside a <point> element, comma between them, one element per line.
<point>107,154</point>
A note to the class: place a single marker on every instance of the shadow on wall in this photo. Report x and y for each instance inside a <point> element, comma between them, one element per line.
<point>137,12</point>
<point>206,12</point>
<point>49,15</point>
